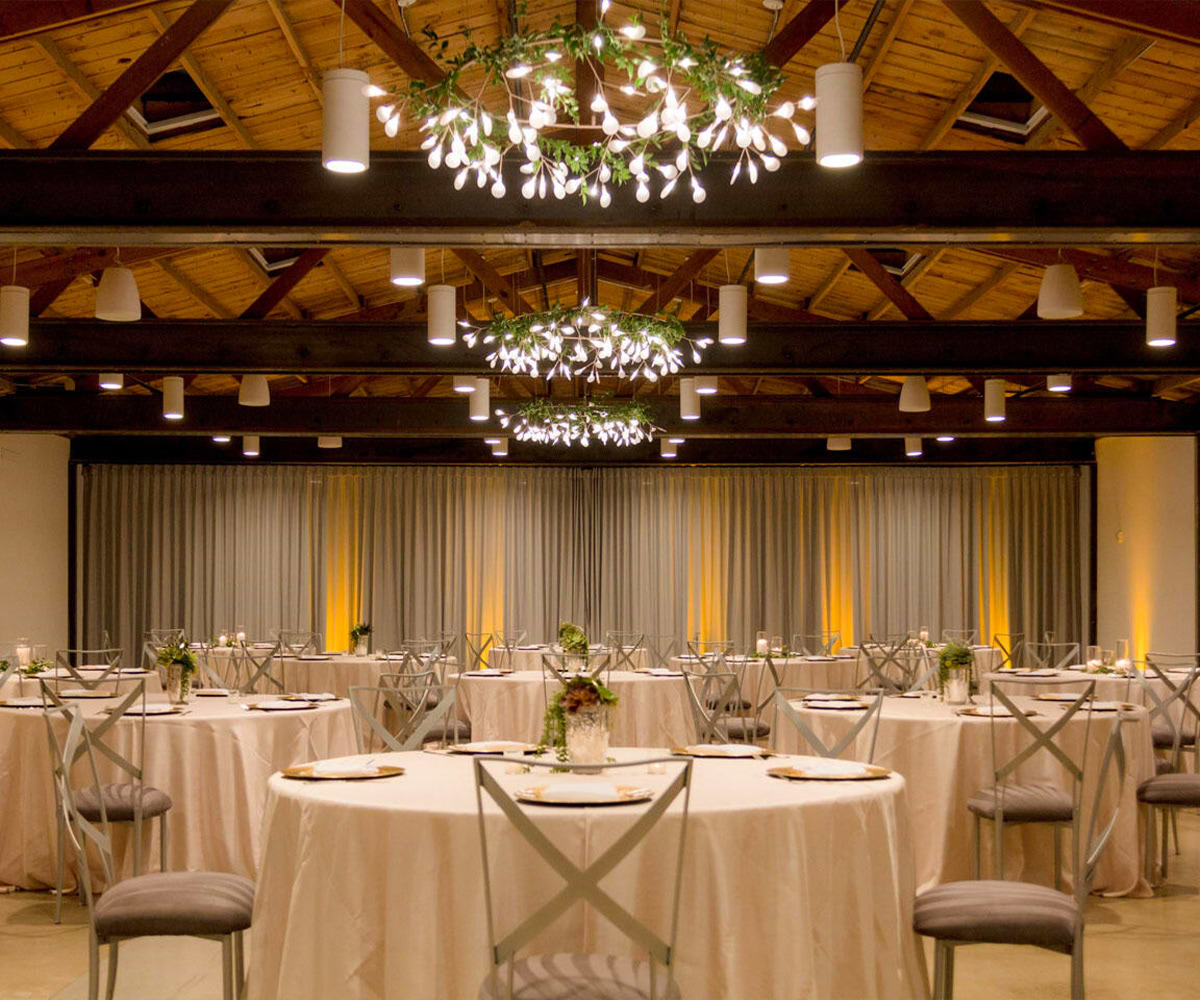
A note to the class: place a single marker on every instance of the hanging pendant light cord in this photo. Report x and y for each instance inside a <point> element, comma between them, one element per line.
<point>837,23</point>
<point>14,281</point>
<point>341,32</point>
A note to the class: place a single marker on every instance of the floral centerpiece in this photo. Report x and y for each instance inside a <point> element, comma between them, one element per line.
<point>572,639</point>
<point>576,722</point>
<point>36,666</point>
<point>179,662</point>
<point>954,672</point>
<point>358,638</point>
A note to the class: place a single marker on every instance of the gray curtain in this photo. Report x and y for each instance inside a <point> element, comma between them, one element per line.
<point>716,553</point>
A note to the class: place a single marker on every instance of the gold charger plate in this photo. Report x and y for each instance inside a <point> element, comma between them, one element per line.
<point>296,706</point>
<point>19,703</point>
<point>137,713</point>
<point>872,773</point>
<point>707,753</point>
<point>490,748</point>
<point>626,794</point>
<point>81,693</point>
<point>974,713</point>
<point>304,772</point>
<point>836,704</point>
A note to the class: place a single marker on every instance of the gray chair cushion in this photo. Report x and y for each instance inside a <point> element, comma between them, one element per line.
<point>176,903</point>
<point>578,977</point>
<point>997,913</point>
<point>1163,735</point>
<point>1163,766</point>
<point>1033,803</point>
<point>119,801</point>
<point>744,729</point>
<point>1171,790</point>
<point>450,729</point>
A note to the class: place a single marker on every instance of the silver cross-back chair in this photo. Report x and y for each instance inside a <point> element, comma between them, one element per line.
<point>505,643</point>
<point>476,646</point>
<point>1051,655</point>
<point>565,665</point>
<point>661,649</point>
<point>1009,800</point>
<point>70,662</point>
<point>712,653</point>
<point>865,721</point>
<point>126,802</point>
<point>211,905</point>
<point>299,642</point>
<point>721,713</point>
<point>582,976</point>
<point>966,636</point>
<point>998,912</point>
<point>625,647</point>
<point>897,666</point>
<point>1012,650</point>
<point>814,643</point>
<point>406,715</point>
<point>260,670</point>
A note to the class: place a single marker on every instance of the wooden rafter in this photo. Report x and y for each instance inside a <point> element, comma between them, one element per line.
<point>19,18</point>
<point>311,76</point>
<point>675,283</point>
<point>800,30</point>
<point>194,290</point>
<point>68,264</point>
<point>673,16</point>
<point>41,299</point>
<point>875,63</point>
<point>142,72</point>
<point>348,289</point>
<point>588,72</point>
<point>1107,269</point>
<point>289,279</point>
<point>1171,20</point>
<point>1180,123</point>
<point>997,277</point>
<point>493,281</point>
<point>391,39</point>
<point>909,281</point>
<point>1034,76</point>
<point>826,286</point>
<point>263,280</point>
<point>900,296</point>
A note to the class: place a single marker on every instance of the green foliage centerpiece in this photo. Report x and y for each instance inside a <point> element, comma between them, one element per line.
<point>546,421</point>
<point>572,639</point>
<point>576,723</point>
<point>179,663</point>
<point>954,672</point>
<point>359,638</point>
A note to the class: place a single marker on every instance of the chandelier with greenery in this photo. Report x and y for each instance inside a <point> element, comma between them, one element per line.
<point>692,100</point>
<point>546,421</point>
<point>586,341</point>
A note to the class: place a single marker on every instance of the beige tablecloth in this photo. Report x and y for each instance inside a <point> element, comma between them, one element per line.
<point>374,889</point>
<point>530,657</point>
<point>18,686</point>
<point>334,674</point>
<point>650,711</point>
<point>794,672</point>
<point>213,761</point>
<point>947,757</point>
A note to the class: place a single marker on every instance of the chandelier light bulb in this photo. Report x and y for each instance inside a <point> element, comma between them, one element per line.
<point>993,400</point>
<point>1161,306</point>
<point>254,391</point>
<point>250,447</point>
<point>329,441</point>
<point>689,400</point>
<point>480,400</point>
<point>837,444</point>
<point>441,330</point>
<point>345,121</point>
<point>464,383</point>
<point>1058,383</point>
<point>771,265</point>
<point>172,390</point>
<point>914,396</point>
<point>731,319</point>
<point>1059,296</point>
<point>14,316</point>
<point>912,447</point>
<point>839,123</point>
<point>112,380</point>
<point>407,266</point>
<point>117,298</point>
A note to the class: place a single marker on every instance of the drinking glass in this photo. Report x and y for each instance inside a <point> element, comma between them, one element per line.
<point>776,643</point>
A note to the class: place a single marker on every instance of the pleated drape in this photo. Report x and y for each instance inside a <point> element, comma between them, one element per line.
<point>716,553</point>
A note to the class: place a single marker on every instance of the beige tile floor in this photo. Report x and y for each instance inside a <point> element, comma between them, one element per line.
<point>1135,948</point>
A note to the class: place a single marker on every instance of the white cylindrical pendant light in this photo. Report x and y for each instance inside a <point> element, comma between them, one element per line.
<point>464,383</point>
<point>1161,305</point>
<point>839,121</point>
<point>914,396</point>
<point>676,440</point>
<point>1058,383</point>
<point>837,444</point>
<point>993,400</point>
<point>254,391</point>
<point>407,266</point>
<point>329,441</point>
<point>346,121</point>
<point>706,385</point>
<point>666,448</point>
<point>771,265</point>
<point>14,316</point>
<point>689,400</point>
<point>945,438</point>
<point>1059,296</point>
<point>440,310</point>
<point>112,380</point>
<point>500,448</point>
<point>912,447</point>
<point>480,400</point>
<point>117,297</point>
<point>172,390</point>
<point>221,439</point>
<point>731,319</point>
<point>250,446</point>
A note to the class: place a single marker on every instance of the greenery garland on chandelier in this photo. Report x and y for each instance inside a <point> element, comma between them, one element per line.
<point>547,421</point>
<point>692,100</point>
<point>586,340</point>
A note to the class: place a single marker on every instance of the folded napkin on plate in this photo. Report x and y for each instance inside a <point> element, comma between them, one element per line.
<point>341,767</point>
<point>834,767</point>
<point>321,696</point>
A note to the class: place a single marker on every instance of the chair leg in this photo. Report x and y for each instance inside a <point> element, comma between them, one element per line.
<point>1151,842</point>
<point>239,972</point>
<point>112,970</point>
<point>1175,828</point>
<point>1057,856</point>
<point>137,842</point>
<point>93,967</point>
<point>943,970</point>
<point>998,834</point>
<point>976,857</point>
<point>1166,846</point>
<point>62,853</point>
<point>227,967</point>
<point>162,842</point>
<point>949,973</point>
<point>1077,966</point>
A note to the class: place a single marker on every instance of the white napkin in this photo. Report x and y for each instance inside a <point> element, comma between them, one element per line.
<point>320,696</point>
<point>342,767</point>
<point>833,768</point>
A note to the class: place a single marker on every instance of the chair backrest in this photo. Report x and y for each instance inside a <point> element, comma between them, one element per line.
<point>661,649</point>
<point>565,665</point>
<point>814,643</point>
<point>260,666</point>
<point>402,714</point>
<point>583,884</point>
<point>299,642</point>
<point>966,636</point>
<point>897,666</point>
<point>624,647</point>
<point>715,698</point>
<point>711,652</point>
<point>10,665</point>
<point>866,720</point>
<point>1174,661</point>
<point>1174,709</point>
<point>1011,646</point>
<point>72,660</point>
<point>1051,655</point>
<point>475,646</point>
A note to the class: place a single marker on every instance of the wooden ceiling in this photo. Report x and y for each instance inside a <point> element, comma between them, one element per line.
<point>260,62</point>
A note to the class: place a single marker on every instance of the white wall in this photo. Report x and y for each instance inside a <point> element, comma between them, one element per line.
<point>1146,543</point>
<point>33,538</point>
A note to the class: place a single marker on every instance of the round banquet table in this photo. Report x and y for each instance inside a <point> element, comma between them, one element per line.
<point>1109,687</point>
<point>374,889</point>
<point>20,686</point>
<point>333,673</point>
<point>651,710</point>
<point>822,672</point>
<point>987,658</point>
<point>530,657</point>
<point>213,761</point>
<point>947,757</point>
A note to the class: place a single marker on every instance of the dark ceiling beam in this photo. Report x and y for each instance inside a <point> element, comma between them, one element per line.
<point>800,30</point>
<point>882,279</point>
<point>382,451</point>
<point>279,288</point>
<point>1034,76</point>
<point>142,72</point>
<point>72,346</point>
<point>743,417</point>
<point>19,18</point>
<point>1172,20</point>
<point>57,265</point>
<point>246,197</point>
<point>674,283</point>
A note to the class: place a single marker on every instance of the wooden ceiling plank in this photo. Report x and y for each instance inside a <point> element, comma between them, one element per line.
<point>88,90</point>
<point>45,294</point>
<point>311,76</point>
<point>1127,52</point>
<point>909,281</point>
<point>965,96</point>
<point>900,296</point>
<point>875,63</point>
<point>14,138</point>
<point>826,286</point>
<point>194,290</point>
<point>1169,383</point>
<point>1034,76</point>
<point>673,16</point>
<point>82,260</point>
<point>389,37</point>
<point>1180,123</point>
<point>264,281</point>
<point>998,277</point>
<point>207,87</point>
<point>1170,20</point>
<point>289,279</point>
<point>589,74</point>
<point>1103,268</point>
<point>19,18</point>
<point>142,72</point>
<point>344,283</point>
<point>493,280</point>
<point>675,283</point>
<point>800,30</point>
